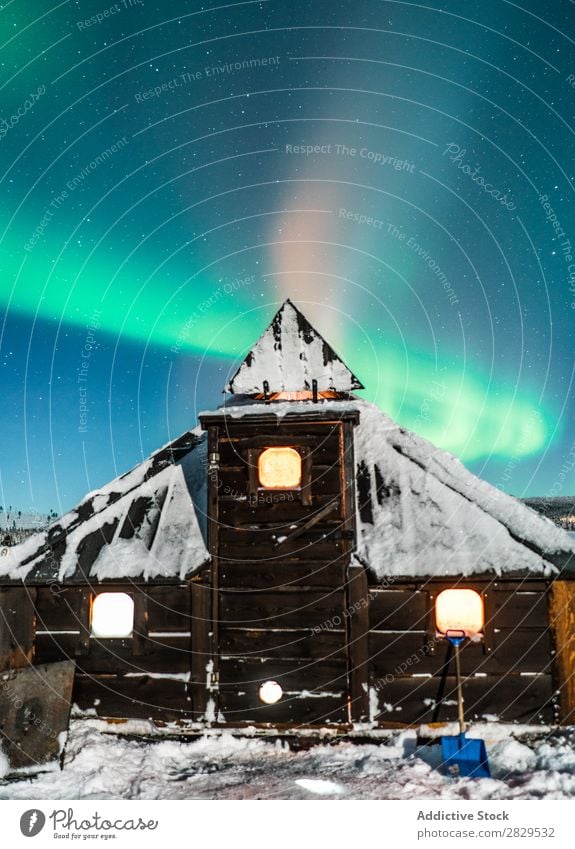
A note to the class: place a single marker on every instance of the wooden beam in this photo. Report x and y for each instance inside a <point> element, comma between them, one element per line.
<point>562,622</point>
<point>201,628</point>
<point>209,604</point>
<point>313,520</point>
<point>140,642</point>
<point>347,484</point>
<point>17,625</point>
<point>84,623</point>
<point>358,643</point>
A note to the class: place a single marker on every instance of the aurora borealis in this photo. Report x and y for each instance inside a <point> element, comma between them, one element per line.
<point>170,173</point>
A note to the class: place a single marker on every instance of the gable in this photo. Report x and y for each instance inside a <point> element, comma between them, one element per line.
<point>288,357</point>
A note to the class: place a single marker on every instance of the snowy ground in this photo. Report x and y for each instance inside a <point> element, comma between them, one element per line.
<point>526,763</point>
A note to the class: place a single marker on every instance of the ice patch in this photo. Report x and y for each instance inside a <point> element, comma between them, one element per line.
<point>4,764</point>
<point>320,787</point>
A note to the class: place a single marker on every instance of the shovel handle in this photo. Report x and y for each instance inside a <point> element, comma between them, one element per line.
<point>460,713</point>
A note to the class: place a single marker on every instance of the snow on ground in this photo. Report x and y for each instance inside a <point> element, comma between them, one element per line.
<point>526,763</point>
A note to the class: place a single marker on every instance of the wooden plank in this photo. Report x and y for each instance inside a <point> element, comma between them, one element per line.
<point>234,481</point>
<point>304,644</point>
<point>17,623</point>
<point>347,472</point>
<point>140,642</point>
<point>316,675</point>
<point>526,584</point>
<point>513,651</point>
<point>272,575</point>
<point>169,609</point>
<point>328,515</point>
<point>201,610</point>
<point>213,489</point>
<point>288,509</point>
<point>314,415</point>
<point>358,642</point>
<point>139,698</point>
<point>54,647</point>
<point>516,609</point>
<point>512,698</point>
<point>476,582</point>
<point>306,492</point>
<point>283,609</point>
<point>278,534</point>
<point>562,621</point>
<point>84,623</point>
<point>397,610</point>
<point>307,547</point>
<point>325,480</point>
<point>327,530</point>
<point>164,654</point>
<point>57,609</point>
<point>296,709</point>
<point>212,579</point>
<point>252,437</point>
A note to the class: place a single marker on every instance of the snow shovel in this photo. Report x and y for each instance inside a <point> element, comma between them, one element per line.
<point>462,755</point>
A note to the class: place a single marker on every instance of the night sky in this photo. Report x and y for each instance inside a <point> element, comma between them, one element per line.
<point>171,172</point>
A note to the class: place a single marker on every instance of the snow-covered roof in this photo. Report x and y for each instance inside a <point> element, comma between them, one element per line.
<point>420,512</point>
<point>148,524</point>
<point>290,355</point>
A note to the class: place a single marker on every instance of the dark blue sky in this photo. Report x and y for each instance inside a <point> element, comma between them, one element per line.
<point>170,173</point>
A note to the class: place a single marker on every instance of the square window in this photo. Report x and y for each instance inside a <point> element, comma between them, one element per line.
<point>280,468</point>
<point>459,610</point>
<point>112,615</point>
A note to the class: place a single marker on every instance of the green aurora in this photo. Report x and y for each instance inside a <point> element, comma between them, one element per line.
<point>459,409</point>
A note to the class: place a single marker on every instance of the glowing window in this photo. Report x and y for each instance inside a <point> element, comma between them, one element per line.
<point>279,468</point>
<point>459,610</point>
<point>270,692</point>
<point>112,615</point>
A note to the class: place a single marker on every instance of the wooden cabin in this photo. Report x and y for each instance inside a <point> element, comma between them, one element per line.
<point>280,566</point>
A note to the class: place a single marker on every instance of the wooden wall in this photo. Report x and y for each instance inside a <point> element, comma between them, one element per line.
<point>291,621</point>
<point>144,676</point>
<point>509,675</point>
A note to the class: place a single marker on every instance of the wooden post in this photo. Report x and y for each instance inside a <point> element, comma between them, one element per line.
<point>201,613</point>
<point>357,590</point>
<point>84,623</point>
<point>212,590</point>
<point>17,626</point>
<point>140,644</point>
<point>358,643</point>
<point>562,621</point>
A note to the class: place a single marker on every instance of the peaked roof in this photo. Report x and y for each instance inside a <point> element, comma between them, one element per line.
<point>421,513</point>
<point>290,355</point>
<point>149,524</point>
